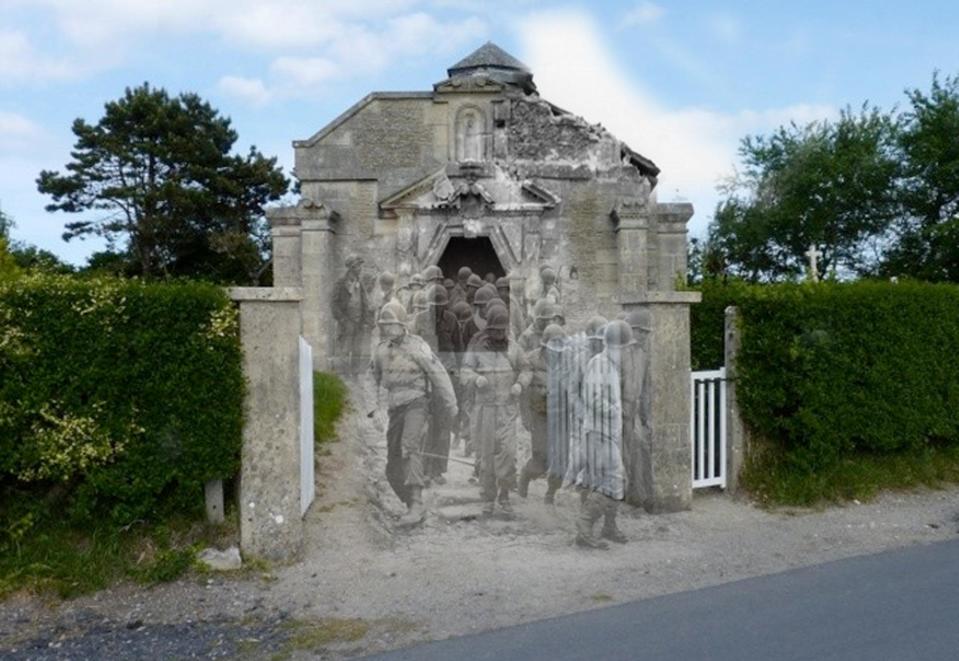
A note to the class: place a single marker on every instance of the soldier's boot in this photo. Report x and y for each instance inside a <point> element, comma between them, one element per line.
<point>504,503</point>
<point>552,486</point>
<point>589,513</point>
<point>416,513</point>
<point>610,530</point>
<point>522,488</point>
<point>487,508</point>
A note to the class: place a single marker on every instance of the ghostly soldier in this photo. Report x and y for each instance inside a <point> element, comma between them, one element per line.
<point>529,340</point>
<point>461,340</point>
<point>473,283</point>
<point>490,369</point>
<point>637,434</point>
<point>459,289</point>
<point>352,311</point>
<point>534,380</point>
<point>517,320</point>
<point>409,292</point>
<point>408,376</point>
<point>441,342</point>
<point>598,462</point>
<point>550,287</point>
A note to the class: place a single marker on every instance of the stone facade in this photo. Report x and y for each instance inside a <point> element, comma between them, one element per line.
<point>399,175</point>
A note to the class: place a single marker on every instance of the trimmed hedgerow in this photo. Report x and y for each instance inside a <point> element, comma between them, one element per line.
<point>838,370</point>
<point>118,398</point>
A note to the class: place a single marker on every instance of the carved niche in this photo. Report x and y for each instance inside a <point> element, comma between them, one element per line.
<point>470,134</point>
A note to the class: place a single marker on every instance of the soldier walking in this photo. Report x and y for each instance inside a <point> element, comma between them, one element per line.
<point>534,380</point>
<point>491,368</point>
<point>597,462</point>
<point>354,315</point>
<point>409,376</point>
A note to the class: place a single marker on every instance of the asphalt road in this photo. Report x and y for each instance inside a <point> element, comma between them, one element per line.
<point>899,605</point>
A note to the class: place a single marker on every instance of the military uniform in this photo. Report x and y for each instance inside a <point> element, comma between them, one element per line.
<point>494,413</point>
<point>412,375</point>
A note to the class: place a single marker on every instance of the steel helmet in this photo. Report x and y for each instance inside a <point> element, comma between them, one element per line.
<point>618,334</point>
<point>595,326</point>
<point>449,284</point>
<point>553,333</point>
<point>392,313</point>
<point>639,319</point>
<point>494,303</point>
<point>482,296</point>
<point>503,283</point>
<point>416,279</point>
<point>559,311</point>
<point>548,275</point>
<point>462,310</point>
<point>498,320</point>
<point>464,273</point>
<point>420,301</point>
<point>433,273</point>
<point>437,295</point>
<point>474,281</point>
<point>386,280</point>
<point>541,309</point>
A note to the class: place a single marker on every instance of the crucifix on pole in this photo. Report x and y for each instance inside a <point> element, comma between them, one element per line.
<point>813,254</point>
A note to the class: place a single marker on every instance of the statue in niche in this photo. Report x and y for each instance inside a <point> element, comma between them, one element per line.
<point>469,136</point>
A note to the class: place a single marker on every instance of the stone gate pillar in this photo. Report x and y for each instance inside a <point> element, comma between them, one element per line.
<point>303,257</point>
<point>271,524</point>
<point>651,239</point>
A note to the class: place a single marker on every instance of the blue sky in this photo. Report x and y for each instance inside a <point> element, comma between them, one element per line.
<point>680,82</point>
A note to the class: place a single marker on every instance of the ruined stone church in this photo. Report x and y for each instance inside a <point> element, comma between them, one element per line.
<point>481,170</point>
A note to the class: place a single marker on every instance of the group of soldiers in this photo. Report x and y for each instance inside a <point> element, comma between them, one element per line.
<point>466,361</point>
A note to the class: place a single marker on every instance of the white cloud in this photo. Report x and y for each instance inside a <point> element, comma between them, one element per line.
<point>13,125</point>
<point>251,90</point>
<point>642,14</point>
<point>694,147</point>
<point>19,60</point>
<point>358,49</point>
<point>304,71</point>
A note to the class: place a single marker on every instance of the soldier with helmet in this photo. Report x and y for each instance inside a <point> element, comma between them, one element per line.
<point>433,275</point>
<point>353,313</point>
<point>410,378</point>
<point>529,340</point>
<point>473,283</point>
<point>491,368</point>
<point>459,289</point>
<point>441,327</point>
<point>409,292</point>
<point>637,432</point>
<point>534,380</point>
<point>550,288</point>
<point>596,463</point>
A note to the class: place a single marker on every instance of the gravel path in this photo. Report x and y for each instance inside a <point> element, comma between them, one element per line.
<point>363,586</point>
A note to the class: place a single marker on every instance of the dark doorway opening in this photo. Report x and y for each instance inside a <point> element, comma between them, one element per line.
<point>478,254</point>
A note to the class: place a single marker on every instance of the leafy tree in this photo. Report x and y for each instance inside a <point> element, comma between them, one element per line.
<point>829,183</point>
<point>8,265</point>
<point>927,233</point>
<point>160,173</point>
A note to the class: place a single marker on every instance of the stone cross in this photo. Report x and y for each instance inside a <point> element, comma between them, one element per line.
<point>813,254</point>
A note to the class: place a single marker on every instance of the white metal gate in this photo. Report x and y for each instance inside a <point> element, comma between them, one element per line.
<point>307,487</point>
<point>707,428</point>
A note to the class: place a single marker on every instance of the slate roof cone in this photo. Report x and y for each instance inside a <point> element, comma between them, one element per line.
<point>496,64</point>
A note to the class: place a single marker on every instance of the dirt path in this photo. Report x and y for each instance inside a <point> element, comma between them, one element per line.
<point>363,587</point>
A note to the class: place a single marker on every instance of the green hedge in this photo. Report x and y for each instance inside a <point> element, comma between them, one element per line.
<point>118,399</point>
<point>833,370</point>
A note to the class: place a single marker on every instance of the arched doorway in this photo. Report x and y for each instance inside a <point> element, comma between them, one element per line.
<point>476,253</point>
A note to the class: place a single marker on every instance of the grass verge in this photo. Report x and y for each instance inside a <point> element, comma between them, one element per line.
<point>50,558</point>
<point>329,403</point>
<point>775,481</point>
